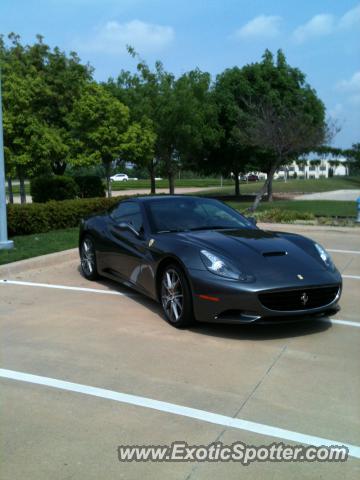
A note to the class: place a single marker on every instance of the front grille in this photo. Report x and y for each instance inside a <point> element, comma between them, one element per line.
<point>299,299</point>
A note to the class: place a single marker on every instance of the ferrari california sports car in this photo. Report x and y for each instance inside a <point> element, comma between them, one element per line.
<point>204,261</point>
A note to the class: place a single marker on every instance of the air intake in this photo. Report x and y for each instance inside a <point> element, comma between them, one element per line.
<point>274,254</point>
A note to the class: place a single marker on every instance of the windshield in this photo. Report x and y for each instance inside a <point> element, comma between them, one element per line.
<point>183,214</point>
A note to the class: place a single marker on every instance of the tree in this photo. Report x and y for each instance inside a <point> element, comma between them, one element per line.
<point>282,115</point>
<point>40,86</point>
<point>138,145</point>
<point>140,93</point>
<point>230,155</point>
<point>20,87</point>
<point>60,81</point>
<point>102,132</point>
<point>179,111</point>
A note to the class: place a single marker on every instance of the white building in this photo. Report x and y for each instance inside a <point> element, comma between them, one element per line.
<point>314,167</point>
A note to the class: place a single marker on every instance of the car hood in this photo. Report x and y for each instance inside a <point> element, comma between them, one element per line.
<point>260,252</point>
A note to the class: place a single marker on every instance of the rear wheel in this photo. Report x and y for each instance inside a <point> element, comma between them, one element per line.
<point>176,297</point>
<point>88,258</point>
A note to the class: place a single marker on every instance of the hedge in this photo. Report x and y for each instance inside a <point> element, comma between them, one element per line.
<point>90,186</point>
<point>56,187</point>
<point>43,217</point>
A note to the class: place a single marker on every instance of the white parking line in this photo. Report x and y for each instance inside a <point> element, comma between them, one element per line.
<point>175,409</point>
<point>354,277</point>
<point>64,287</point>
<point>344,322</point>
<point>334,250</point>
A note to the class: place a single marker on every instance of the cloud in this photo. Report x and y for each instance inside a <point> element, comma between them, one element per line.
<point>113,37</point>
<point>351,87</point>
<point>319,25</point>
<point>326,24</point>
<point>351,18</point>
<point>261,26</point>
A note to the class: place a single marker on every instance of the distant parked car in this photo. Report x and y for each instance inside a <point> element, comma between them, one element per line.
<point>119,177</point>
<point>252,178</point>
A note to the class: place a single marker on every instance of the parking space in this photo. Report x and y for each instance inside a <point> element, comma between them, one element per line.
<point>300,378</point>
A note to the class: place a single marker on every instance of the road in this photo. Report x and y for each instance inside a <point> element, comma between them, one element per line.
<point>302,379</point>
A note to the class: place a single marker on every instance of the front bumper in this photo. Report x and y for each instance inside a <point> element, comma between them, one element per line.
<point>226,301</point>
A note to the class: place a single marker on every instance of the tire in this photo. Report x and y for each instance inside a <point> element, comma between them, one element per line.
<point>88,258</point>
<point>175,297</point>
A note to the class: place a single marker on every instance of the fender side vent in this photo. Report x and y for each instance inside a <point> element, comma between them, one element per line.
<point>274,254</point>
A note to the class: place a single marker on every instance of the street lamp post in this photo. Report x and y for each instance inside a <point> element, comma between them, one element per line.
<point>4,242</point>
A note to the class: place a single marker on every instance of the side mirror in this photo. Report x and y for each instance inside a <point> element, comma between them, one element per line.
<point>128,226</point>
<point>252,220</point>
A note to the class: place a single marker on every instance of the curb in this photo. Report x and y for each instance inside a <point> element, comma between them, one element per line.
<point>10,269</point>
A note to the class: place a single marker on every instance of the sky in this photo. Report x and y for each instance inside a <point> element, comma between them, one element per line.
<point>320,37</point>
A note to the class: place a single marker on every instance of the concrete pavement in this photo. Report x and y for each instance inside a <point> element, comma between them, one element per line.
<point>349,195</point>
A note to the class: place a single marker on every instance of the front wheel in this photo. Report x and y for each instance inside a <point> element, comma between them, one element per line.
<point>176,299</point>
<point>88,258</point>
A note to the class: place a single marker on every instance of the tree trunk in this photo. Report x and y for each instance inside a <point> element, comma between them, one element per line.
<point>270,189</point>
<point>22,190</point>
<point>152,177</point>
<point>107,166</point>
<point>171,182</point>
<point>59,168</point>
<point>237,183</point>
<point>170,171</point>
<point>10,190</point>
<point>263,189</point>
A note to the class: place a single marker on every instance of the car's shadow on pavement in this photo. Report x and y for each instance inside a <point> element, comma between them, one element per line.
<point>240,332</point>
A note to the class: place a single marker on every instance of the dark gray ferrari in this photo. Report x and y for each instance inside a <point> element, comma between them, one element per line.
<point>204,261</point>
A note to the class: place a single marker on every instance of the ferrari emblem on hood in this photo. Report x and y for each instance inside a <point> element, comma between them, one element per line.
<point>300,277</point>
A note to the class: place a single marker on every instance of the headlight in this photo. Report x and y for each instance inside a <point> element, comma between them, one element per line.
<point>220,267</point>
<point>325,257</point>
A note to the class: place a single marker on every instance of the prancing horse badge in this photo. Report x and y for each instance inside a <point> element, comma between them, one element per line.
<point>300,277</point>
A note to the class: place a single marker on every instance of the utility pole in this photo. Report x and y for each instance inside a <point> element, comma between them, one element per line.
<point>4,242</point>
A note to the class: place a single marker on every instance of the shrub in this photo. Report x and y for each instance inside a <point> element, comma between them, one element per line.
<point>45,188</point>
<point>43,217</point>
<point>90,186</point>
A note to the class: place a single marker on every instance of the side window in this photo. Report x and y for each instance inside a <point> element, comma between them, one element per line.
<point>128,212</point>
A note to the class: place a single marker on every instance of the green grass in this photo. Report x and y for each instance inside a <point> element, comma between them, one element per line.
<point>196,182</point>
<point>319,208</point>
<point>291,186</point>
<point>297,186</point>
<point>28,246</point>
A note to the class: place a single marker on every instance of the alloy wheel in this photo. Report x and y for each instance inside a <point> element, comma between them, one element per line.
<point>87,257</point>
<point>172,296</point>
